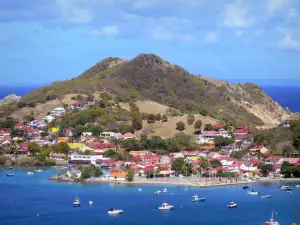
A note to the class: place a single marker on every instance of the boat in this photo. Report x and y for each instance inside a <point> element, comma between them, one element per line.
<point>157,192</point>
<point>165,190</point>
<point>166,206</point>
<point>11,168</point>
<point>245,187</point>
<point>232,205</point>
<point>140,190</point>
<point>289,192</point>
<point>10,174</point>
<point>297,186</point>
<point>30,173</point>
<point>76,202</point>
<point>197,199</point>
<point>185,189</point>
<point>38,170</point>
<point>272,221</point>
<point>253,192</point>
<point>266,196</point>
<point>286,188</point>
<point>91,202</point>
<point>114,211</point>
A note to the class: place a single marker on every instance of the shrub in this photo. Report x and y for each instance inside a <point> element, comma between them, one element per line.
<point>180,126</point>
<point>198,124</point>
<point>190,119</point>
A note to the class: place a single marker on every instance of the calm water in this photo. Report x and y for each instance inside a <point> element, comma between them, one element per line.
<point>23,197</point>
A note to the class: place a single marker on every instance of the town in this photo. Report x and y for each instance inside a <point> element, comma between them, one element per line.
<point>219,153</point>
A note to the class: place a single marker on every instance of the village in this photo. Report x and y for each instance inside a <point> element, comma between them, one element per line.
<point>214,157</point>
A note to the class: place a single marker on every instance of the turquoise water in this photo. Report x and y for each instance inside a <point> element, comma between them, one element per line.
<point>23,197</point>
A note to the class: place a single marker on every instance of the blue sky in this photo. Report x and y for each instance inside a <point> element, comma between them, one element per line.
<point>46,40</point>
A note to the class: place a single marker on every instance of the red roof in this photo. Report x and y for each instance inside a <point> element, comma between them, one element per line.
<point>255,162</point>
<point>238,164</point>
<point>98,145</point>
<point>77,103</point>
<point>229,159</point>
<point>218,126</point>
<point>129,135</point>
<point>257,147</point>
<point>241,137</point>
<point>292,160</point>
<point>277,166</point>
<point>4,132</point>
<point>276,157</point>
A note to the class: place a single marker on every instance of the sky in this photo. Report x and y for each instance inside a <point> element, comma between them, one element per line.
<point>42,41</point>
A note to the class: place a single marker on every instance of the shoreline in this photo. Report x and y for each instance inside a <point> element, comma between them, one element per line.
<point>199,184</point>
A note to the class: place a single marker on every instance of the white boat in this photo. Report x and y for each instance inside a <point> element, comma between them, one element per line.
<point>232,205</point>
<point>30,173</point>
<point>266,196</point>
<point>289,192</point>
<point>165,190</point>
<point>38,171</point>
<point>253,192</point>
<point>76,202</point>
<point>297,186</point>
<point>185,189</point>
<point>284,187</point>
<point>157,192</point>
<point>197,199</point>
<point>271,221</point>
<point>166,206</point>
<point>10,174</point>
<point>91,202</point>
<point>140,190</point>
<point>114,211</point>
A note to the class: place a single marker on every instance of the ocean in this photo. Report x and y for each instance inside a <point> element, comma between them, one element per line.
<point>29,200</point>
<point>286,96</point>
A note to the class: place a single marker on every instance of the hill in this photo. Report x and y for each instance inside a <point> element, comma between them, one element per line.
<point>148,77</point>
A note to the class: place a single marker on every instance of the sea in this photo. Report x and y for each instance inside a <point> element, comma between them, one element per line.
<point>285,95</point>
<point>30,200</point>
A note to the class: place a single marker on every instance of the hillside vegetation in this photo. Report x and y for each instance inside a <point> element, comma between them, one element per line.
<point>148,77</point>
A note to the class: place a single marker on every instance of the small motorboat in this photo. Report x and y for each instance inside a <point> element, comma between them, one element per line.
<point>114,211</point>
<point>165,190</point>
<point>76,202</point>
<point>253,192</point>
<point>197,199</point>
<point>140,190</point>
<point>266,196</point>
<point>245,187</point>
<point>297,186</point>
<point>272,221</point>
<point>157,192</point>
<point>11,168</point>
<point>10,174</point>
<point>30,173</point>
<point>38,171</point>
<point>185,189</point>
<point>286,188</point>
<point>91,202</point>
<point>232,205</point>
<point>166,206</point>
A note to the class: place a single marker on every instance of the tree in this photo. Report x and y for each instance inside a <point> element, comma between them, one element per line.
<point>208,127</point>
<point>125,128</point>
<point>63,147</point>
<point>215,163</point>
<point>96,130</point>
<point>180,126</point>
<point>286,169</point>
<point>190,119</point>
<point>109,153</point>
<point>221,141</point>
<point>151,118</point>
<point>136,117</point>
<point>203,112</point>
<point>90,171</point>
<point>137,124</point>
<point>78,130</point>
<point>198,124</point>
<point>183,139</point>
<point>180,166</point>
<point>157,117</point>
<point>130,175</point>
<point>265,169</point>
<point>204,164</point>
<point>164,118</point>
<point>34,148</point>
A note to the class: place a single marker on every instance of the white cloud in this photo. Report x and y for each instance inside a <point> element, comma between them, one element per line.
<point>236,15</point>
<point>107,31</point>
<point>274,5</point>
<point>211,37</point>
<point>288,42</point>
<point>163,34</point>
<point>73,12</point>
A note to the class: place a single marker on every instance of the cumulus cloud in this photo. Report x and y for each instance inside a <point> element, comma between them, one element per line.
<point>211,37</point>
<point>106,31</point>
<point>288,42</point>
<point>236,15</point>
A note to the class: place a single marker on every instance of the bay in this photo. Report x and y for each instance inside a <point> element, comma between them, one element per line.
<point>22,197</point>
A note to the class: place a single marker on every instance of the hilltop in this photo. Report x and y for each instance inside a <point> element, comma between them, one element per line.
<point>149,77</point>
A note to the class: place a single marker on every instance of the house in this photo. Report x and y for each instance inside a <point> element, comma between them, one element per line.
<point>294,161</point>
<point>224,133</point>
<point>207,147</point>
<point>58,111</point>
<point>48,118</point>
<point>102,146</point>
<point>190,153</point>
<point>77,105</point>
<point>241,131</point>
<point>227,161</point>
<point>224,153</point>
<point>213,155</point>
<point>258,148</point>
<point>4,133</point>
<point>204,153</point>
<point>139,153</point>
<point>207,136</point>
<point>273,159</point>
<point>117,175</point>
<point>231,147</point>
<point>235,166</point>
<point>129,136</point>
<point>218,126</point>
<point>111,134</point>
<point>176,155</point>
<point>57,156</point>
<point>37,124</point>
<point>241,138</point>
<point>150,159</point>
<point>87,134</point>
<point>91,159</point>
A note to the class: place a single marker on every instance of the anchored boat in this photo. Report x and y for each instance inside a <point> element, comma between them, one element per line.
<point>197,199</point>
<point>166,206</point>
<point>272,221</point>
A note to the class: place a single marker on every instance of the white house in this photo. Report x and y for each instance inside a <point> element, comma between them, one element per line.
<point>91,158</point>
<point>227,161</point>
<point>48,119</point>
<point>58,110</point>
<point>111,134</point>
<point>87,134</point>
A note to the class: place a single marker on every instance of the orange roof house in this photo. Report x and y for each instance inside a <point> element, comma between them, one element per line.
<point>62,139</point>
<point>207,147</point>
<point>117,175</point>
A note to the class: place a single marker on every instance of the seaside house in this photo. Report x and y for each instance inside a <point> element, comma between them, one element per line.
<point>227,161</point>
<point>89,159</point>
<point>57,156</point>
<point>117,175</point>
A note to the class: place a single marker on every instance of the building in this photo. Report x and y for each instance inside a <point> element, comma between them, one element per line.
<point>117,175</point>
<point>259,148</point>
<point>295,161</point>
<point>139,153</point>
<point>90,159</point>
<point>48,118</point>
<point>274,159</point>
<point>77,105</point>
<point>57,156</point>
<point>102,146</point>
<point>111,134</point>
<point>231,147</point>
<point>129,136</point>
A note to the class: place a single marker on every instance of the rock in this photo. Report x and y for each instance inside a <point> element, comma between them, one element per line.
<point>10,99</point>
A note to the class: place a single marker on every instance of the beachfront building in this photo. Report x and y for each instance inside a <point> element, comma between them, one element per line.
<point>117,175</point>
<point>85,159</point>
<point>57,156</point>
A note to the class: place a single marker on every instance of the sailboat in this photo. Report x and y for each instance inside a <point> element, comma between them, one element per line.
<point>272,221</point>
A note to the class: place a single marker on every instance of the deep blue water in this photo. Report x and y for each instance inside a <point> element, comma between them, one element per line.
<point>23,197</point>
<point>18,90</point>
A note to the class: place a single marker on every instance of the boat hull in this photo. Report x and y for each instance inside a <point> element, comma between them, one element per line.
<point>198,200</point>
